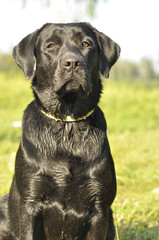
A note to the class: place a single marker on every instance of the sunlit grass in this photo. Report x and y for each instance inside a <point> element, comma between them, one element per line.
<point>15,94</point>
<point>132,113</point>
<point>132,117</point>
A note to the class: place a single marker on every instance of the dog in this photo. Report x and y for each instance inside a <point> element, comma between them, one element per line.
<point>64,182</point>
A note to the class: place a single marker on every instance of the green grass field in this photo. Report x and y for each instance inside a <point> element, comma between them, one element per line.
<point>132,113</point>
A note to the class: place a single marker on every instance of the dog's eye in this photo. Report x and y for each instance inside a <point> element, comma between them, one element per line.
<point>85,44</point>
<point>51,46</point>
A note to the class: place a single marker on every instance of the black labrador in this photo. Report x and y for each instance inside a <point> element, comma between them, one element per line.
<point>64,182</point>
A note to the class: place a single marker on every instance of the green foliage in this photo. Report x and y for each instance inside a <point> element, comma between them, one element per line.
<point>90,5</point>
<point>7,65</point>
<point>141,71</point>
<point>146,69</point>
<point>131,110</point>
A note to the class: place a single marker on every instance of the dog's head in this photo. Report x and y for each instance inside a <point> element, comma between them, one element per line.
<point>64,61</point>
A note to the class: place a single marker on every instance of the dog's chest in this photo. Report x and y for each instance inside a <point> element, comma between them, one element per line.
<point>67,153</point>
<point>71,162</point>
<point>75,140</point>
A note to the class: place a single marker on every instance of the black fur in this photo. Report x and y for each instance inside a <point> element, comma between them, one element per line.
<point>64,182</point>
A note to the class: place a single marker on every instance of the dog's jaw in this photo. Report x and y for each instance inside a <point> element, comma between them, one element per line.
<point>71,100</point>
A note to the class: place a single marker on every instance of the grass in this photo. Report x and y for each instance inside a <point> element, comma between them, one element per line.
<point>15,94</point>
<point>131,110</point>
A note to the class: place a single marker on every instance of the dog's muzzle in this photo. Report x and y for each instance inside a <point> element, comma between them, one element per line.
<point>75,79</point>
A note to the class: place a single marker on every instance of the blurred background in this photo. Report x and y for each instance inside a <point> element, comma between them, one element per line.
<point>130,99</point>
<point>131,23</point>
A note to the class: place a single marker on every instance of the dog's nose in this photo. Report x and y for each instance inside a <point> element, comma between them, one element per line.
<point>72,63</point>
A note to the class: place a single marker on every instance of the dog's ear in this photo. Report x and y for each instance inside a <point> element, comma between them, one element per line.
<point>109,52</point>
<point>23,54</point>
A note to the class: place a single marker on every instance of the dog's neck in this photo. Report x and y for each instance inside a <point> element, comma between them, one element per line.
<point>68,118</point>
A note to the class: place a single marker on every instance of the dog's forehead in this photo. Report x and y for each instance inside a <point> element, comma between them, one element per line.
<point>68,30</point>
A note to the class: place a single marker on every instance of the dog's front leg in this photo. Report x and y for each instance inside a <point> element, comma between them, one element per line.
<point>30,224</point>
<point>26,223</point>
<point>98,229</point>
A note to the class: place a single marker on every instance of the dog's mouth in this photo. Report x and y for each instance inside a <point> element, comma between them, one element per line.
<point>70,97</point>
<point>71,91</point>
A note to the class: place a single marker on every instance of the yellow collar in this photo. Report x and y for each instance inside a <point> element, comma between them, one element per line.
<point>68,118</point>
